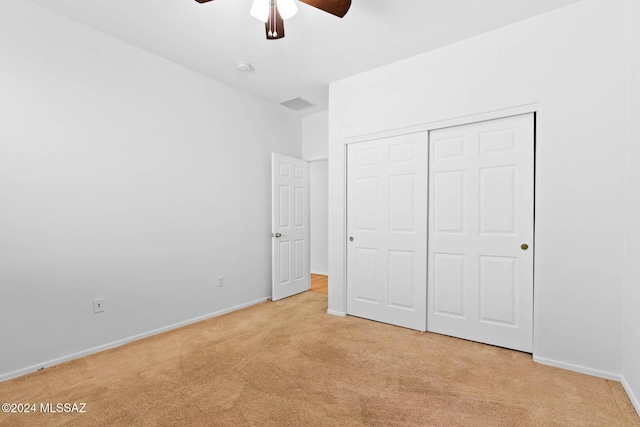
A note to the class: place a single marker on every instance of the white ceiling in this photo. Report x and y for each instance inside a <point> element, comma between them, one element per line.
<point>318,48</point>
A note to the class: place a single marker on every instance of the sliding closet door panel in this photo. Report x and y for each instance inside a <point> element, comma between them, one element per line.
<point>387,230</point>
<point>481,199</point>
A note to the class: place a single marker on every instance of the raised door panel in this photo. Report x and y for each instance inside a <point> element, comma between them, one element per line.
<point>366,280</point>
<point>401,279</point>
<point>285,206</point>
<point>451,147</point>
<point>498,207</point>
<point>299,259</point>
<point>449,284</point>
<point>284,248</point>
<point>365,208</point>
<point>300,212</point>
<point>449,208</point>
<point>492,142</point>
<point>499,290</point>
<point>402,198</point>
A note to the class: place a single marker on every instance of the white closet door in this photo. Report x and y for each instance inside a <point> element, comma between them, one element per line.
<point>387,230</point>
<point>481,196</point>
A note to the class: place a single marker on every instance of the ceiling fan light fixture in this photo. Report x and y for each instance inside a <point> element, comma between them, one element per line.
<point>260,9</point>
<point>287,8</point>
<point>274,12</point>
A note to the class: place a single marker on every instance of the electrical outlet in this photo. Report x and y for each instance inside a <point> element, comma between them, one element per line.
<point>98,305</point>
<point>220,281</point>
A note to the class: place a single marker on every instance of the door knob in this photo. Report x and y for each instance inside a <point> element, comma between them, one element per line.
<point>524,246</point>
<point>278,235</point>
<point>351,239</point>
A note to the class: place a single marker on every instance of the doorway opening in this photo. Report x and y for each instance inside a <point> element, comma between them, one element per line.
<point>319,224</point>
<point>319,284</point>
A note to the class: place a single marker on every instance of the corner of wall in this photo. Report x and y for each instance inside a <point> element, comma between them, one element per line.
<point>630,377</point>
<point>315,136</point>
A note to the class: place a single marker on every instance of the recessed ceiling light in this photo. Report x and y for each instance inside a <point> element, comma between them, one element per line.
<point>244,67</point>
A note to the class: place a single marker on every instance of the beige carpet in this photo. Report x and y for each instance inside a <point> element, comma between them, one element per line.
<point>289,363</point>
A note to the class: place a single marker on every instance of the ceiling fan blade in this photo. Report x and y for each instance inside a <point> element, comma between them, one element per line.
<point>203,1</point>
<point>338,8</point>
<point>274,27</point>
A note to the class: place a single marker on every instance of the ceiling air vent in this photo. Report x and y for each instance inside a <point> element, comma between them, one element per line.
<point>297,104</point>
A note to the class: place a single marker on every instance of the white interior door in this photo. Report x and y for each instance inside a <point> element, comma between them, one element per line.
<point>387,230</point>
<point>290,225</point>
<point>481,196</point>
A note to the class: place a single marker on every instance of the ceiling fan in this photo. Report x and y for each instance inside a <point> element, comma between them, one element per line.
<point>274,12</point>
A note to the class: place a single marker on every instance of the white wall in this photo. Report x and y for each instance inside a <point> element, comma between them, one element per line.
<point>319,195</point>
<point>631,337</point>
<point>573,62</point>
<point>126,177</point>
<point>315,136</point>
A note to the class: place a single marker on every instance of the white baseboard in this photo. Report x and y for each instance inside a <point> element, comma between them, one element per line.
<point>595,373</point>
<point>314,159</point>
<point>118,343</point>
<point>632,397</point>
<point>319,273</point>
<point>577,368</point>
<point>337,313</point>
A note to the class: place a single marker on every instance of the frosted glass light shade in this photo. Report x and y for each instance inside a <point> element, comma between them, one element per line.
<point>287,8</point>
<point>260,9</point>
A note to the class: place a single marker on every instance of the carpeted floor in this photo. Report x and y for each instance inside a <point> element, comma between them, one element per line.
<point>289,363</point>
